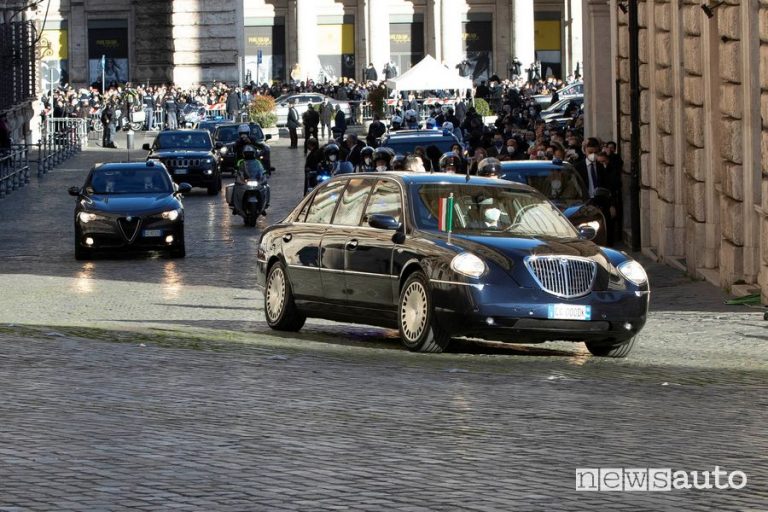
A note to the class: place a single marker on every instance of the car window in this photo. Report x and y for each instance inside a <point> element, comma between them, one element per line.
<point>129,181</point>
<point>317,99</point>
<point>385,200</point>
<point>352,202</point>
<point>324,202</point>
<point>302,99</point>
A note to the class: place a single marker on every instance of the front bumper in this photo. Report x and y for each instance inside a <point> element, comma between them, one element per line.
<point>149,234</point>
<point>197,177</point>
<point>523,315</point>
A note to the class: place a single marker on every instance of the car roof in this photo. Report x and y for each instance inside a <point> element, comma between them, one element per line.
<point>419,178</point>
<point>115,166</point>
<point>419,134</point>
<point>185,131</point>
<point>520,165</point>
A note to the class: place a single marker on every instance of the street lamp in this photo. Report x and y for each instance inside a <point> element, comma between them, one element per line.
<point>709,9</point>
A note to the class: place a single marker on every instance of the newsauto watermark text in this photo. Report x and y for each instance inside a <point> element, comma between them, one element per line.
<point>657,479</point>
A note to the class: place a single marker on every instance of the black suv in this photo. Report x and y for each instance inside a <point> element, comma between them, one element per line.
<point>224,138</point>
<point>189,157</point>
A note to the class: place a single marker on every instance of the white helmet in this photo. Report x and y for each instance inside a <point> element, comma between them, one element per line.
<point>448,126</point>
<point>411,115</point>
<point>243,128</point>
<point>397,120</point>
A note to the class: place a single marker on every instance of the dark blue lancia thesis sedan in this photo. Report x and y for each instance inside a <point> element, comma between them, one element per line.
<point>439,256</point>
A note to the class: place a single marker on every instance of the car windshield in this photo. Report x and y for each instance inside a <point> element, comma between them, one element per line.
<point>129,181</point>
<point>487,208</point>
<point>181,140</point>
<point>561,185</point>
<point>227,134</point>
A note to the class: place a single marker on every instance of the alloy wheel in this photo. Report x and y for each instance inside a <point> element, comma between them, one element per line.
<point>413,311</point>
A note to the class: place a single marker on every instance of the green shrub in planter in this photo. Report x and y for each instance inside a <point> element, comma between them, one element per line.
<point>482,107</point>
<point>377,98</point>
<point>262,111</point>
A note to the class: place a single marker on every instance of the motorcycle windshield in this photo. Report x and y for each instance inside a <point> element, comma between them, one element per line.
<point>253,170</point>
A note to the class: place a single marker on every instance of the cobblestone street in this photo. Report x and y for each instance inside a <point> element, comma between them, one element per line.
<point>147,383</point>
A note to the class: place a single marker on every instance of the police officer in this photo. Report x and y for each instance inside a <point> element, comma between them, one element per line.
<point>489,168</point>
<point>243,140</point>
<point>171,112</point>
<point>366,160</point>
<point>450,163</point>
<point>382,159</point>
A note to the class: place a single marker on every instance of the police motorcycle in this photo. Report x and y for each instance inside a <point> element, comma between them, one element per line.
<point>249,195</point>
<point>328,168</point>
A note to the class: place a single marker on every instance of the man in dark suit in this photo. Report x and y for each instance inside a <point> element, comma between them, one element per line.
<point>293,124</point>
<point>596,176</point>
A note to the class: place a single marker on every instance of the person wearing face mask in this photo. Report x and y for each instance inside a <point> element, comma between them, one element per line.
<point>489,215</point>
<point>560,185</point>
<point>591,174</point>
<point>498,146</point>
<point>366,160</point>
<point>382,158</point>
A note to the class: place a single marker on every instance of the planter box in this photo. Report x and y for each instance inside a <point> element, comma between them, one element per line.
<point>274,132</point>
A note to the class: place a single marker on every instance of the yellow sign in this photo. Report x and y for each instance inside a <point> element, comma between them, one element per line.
<point>54,45</point>
<point>400,38</point>
<point>260,41</point>
<point>471,36</point>
<point>547,35</point>
<point>336,39</point>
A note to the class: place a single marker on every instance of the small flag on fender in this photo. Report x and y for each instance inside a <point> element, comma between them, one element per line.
<point>445,214</point>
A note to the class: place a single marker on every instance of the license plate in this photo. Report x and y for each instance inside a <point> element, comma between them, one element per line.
<point>180,171</point>
<point>569,312</point>
<point>153,232</point>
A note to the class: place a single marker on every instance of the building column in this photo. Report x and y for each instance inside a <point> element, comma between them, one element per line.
<point>502,44</point>
<point>523,33</point>
<point>432,29</point>
<point>451,33</point>
<point>574,53</point>
<point>598,86</point>
<point>306,39</point>
<point>377,14</point>
<point>77,27</point>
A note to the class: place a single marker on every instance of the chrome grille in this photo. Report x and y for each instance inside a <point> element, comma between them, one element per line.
<point>563,276</point>
<point>129,226</point>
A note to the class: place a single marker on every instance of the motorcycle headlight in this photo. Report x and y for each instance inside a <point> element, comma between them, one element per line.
<point>86,217</point>
<point>591,224</point>
<point>633,272</point>
<point>171,215</point>
<point>468,264</point>
<point>323,177</point>
<point>223,151</point>
<point>252,183</point>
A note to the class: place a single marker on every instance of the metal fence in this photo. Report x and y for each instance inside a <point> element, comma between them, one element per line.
<point>14,168</point>
<point>17,63</point>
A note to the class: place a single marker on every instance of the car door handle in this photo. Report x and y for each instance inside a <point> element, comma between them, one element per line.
<point>352,245</point>
<point>287,237</point>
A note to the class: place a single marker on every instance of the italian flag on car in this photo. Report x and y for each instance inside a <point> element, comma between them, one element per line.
<point>445,214</point>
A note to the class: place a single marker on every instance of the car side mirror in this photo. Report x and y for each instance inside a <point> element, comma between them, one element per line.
<point>146,147</point>
<point>383,222</point>
<point>268,136</point>
<point>74,191</point>
<point>587,232</point>
<point>184,188</point>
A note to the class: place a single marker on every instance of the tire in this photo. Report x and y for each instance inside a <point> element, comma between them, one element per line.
<point>137,126</point>
<point>616,350</point>
<point>419,331</point>
<point>179,252</point>
<point>214,188</point>
<point>279,308</point>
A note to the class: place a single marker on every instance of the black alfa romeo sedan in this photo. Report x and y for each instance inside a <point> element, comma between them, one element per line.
<point>125,206</point>
<point>189,157</point>
<point>440,256</point>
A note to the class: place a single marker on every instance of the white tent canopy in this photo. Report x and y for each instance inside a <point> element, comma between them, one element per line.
<point>428,75</point>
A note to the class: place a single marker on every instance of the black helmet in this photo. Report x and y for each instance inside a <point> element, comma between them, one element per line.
<point>489,167</point>
<point>366,156</point>
<point>331,152</point>
<point>398,163</point>
<point>450,159</point>
<point>250,152</point>
<point>385,154</point>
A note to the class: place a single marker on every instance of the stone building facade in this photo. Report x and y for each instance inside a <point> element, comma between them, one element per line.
<point>704,134</point>
<point>193,41</point>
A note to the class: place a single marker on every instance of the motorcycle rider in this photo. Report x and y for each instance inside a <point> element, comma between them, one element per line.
<point>396,123</point>
<point>489,168</point>
<point>366,160</point>
<point>382,158</point>
<point>243,139</point>
<point>450,163</point>
<point>411,119</point>
<point>375,130</point>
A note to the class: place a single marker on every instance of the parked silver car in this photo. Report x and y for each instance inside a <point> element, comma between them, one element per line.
<point>574,89</point>
<point>301,101</point>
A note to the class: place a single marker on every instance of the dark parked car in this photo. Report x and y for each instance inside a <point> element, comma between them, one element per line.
<point>562,185</point>
<point>129,206</point>
<point>189,157</point>
<point>224,138</point>
<point>403,142</point>
<point>211,124</point>
<point>438,256</point>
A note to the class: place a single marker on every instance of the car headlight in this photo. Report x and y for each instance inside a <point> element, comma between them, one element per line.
<point>252,183</point>
<point>209,160</point>
<point>223,151</point>
<point>633,272</point>
<point>591,224</point>
<point>170,215</point>
<point>468,264</point>
<point>86,217</point>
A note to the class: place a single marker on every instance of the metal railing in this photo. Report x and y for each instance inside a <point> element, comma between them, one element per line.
<point>14,168</point>
<point>61,139</point>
